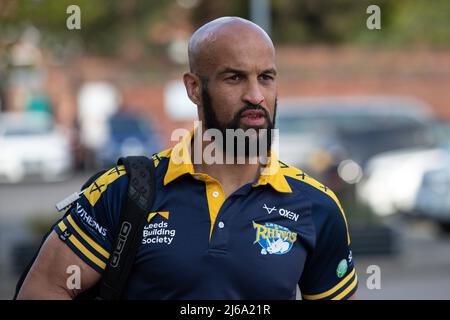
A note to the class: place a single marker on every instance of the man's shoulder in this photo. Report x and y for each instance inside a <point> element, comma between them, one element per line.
<point>301,182</point>
<point>326,207</point>
<point>162,156</point>
<point>112,181</point>
<point>115,180</point>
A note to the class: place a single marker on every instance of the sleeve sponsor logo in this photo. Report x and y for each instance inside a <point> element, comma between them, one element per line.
<point>87,219</point>
<point>342,268</point>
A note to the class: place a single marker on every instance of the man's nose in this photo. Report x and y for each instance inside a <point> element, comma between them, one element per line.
<point>253,94</point>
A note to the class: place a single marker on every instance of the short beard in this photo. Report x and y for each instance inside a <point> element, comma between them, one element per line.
<point>264,140</point>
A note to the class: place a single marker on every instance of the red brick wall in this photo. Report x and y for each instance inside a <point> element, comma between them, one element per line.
<point>320,71</point>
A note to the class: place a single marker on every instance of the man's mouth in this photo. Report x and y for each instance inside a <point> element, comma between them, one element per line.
<point>253,117</point>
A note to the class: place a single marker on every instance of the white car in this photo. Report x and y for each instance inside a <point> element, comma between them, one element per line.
<point>393,179</point>
<point>32,145</point>
<point>320,133</point>
<point>433,197</point>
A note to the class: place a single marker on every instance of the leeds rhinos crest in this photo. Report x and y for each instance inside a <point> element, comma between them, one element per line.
<point>273,238</point>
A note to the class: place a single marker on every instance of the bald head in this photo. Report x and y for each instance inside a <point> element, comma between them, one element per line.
<point>232,67</point>
<point>211,39</point>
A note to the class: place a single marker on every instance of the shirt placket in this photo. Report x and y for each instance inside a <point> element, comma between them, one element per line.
<point>216,198</point>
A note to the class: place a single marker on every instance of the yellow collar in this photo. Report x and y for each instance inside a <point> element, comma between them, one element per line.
<point>180,163</point>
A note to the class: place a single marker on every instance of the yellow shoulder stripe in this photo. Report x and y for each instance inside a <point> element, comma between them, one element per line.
<point>96,189</point>
<point>333,196</point>
<point>89,240</point>
<point>86,252</point>
<point>346,291</point>
<point>163,154</point>
<point>82,248</point>
<point>62,226</point>
<point>300,175</point>
<point>332,290</point>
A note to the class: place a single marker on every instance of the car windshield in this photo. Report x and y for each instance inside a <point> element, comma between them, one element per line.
<point>302,123</point>
<point>363,144</point>
<point>361,133</point>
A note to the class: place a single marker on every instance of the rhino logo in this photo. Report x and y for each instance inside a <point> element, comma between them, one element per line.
<point>273,238</point>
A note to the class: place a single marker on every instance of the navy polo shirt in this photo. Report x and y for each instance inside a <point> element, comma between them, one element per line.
<point>259,243</point>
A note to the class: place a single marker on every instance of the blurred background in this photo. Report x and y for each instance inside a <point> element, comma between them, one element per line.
<point>364,111</point>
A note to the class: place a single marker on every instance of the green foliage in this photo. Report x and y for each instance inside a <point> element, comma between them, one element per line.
<point>108,26</point>
<point>105,24</point>
<point>421,22</point>
<point>299,22</point>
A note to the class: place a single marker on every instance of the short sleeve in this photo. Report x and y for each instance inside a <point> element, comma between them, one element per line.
<point>329,272</point>
<point>90,226</point>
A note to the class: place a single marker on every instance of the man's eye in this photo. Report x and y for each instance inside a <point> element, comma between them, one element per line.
<point>265,77</point>
<point>235,77</point>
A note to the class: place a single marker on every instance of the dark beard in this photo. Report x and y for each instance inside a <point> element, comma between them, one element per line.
<point>264,140</point>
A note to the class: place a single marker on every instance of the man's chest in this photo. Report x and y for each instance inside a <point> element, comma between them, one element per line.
<point>257,241</point>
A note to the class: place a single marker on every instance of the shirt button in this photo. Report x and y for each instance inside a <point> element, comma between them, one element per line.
<point>221,225</point>
<point>215,194</point>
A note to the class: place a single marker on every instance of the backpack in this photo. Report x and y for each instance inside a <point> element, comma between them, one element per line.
<point>138,203</point>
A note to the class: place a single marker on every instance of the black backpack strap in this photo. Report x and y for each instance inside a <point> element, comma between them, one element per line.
<point>137,205</point>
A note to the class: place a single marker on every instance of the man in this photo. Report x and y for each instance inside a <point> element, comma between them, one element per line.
<point>216,231</point>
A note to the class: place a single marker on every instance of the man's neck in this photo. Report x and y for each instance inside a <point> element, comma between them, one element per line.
<point>231,176</point>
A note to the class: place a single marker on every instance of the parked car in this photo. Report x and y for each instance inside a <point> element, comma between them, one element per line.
<point>433,196</point>
<point>333,138</point>
<point>403,181</point>
<point>393,179</point>
<point>128,134</point>
<point>31,145</point>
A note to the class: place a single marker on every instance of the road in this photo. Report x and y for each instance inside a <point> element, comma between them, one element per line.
<point>420,271</point>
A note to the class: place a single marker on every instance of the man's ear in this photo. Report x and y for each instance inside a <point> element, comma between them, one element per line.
<point>193,87</point>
